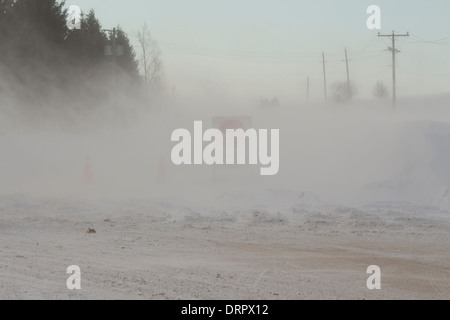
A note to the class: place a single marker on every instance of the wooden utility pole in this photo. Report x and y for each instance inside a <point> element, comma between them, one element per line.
<point>394,51</point>
<point>324,77</point>
<point>307,89</point>
<point>348,74</point>
<point>112,34</point>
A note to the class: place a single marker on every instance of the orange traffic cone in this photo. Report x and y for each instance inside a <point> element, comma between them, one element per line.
<point>88,176</point>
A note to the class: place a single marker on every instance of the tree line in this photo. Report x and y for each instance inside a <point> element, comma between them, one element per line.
<point>43,62</point>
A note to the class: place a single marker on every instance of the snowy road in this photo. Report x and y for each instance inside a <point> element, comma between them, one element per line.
<point>146,251</point>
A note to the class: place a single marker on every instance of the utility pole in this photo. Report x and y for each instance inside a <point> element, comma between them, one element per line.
<point>307,89</point>
<point>324,77</point>
<point>348,74</point>
<point>394,51</point>
<point>114,50</point>
<point>112,34</point>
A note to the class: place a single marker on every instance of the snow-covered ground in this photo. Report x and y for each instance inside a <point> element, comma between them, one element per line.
<point>162,250</point>
<point>357,187</point>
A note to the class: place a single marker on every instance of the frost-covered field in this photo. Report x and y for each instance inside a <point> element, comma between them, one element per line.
<point>166,250</point>
<point>355,188</point>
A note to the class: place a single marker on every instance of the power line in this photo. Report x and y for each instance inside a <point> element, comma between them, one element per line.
<point>234,53</point>
<point>293,57</point>
<point>437,41</point>
<point>424,74</point>
<point>331,66</point>
<point>394,51</point>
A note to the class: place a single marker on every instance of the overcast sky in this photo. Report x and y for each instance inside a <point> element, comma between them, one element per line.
<point>253,49</point>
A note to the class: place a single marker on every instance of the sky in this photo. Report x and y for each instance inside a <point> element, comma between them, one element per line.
<point>256,49</point>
